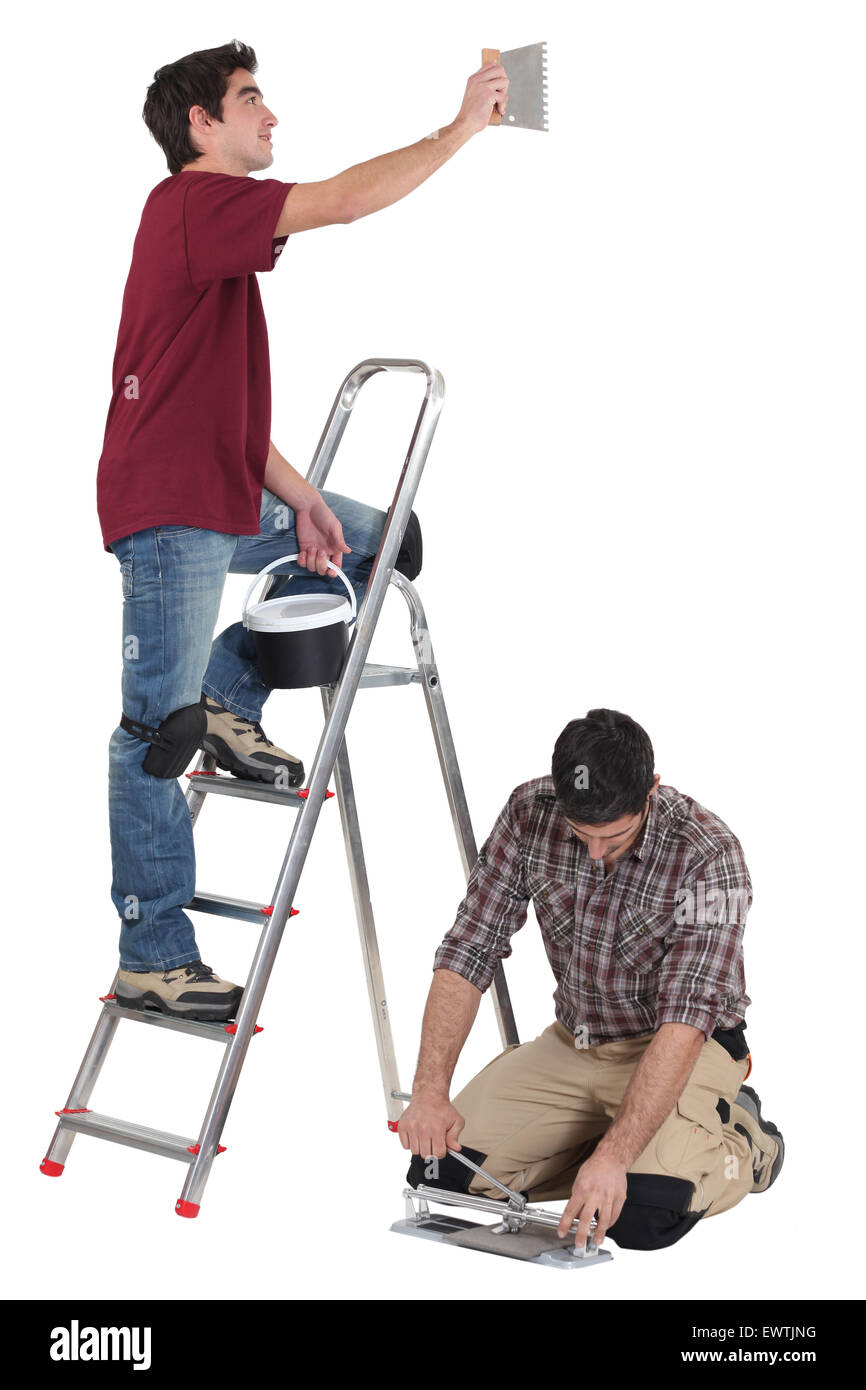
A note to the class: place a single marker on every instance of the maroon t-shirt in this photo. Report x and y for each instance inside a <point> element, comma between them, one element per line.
<point>188,430</point>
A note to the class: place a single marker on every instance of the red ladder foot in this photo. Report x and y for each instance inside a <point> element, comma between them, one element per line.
<point>186,1208</point>
<point>50,1168</point>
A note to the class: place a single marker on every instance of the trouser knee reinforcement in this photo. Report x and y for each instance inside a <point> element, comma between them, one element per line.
<point>448,1172</point>
<point>655,1214</point>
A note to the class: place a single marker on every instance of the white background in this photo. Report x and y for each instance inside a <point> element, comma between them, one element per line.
<point>641,495</point>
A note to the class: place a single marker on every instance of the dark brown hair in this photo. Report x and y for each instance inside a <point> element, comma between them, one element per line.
<point>616,758</point>
<point>199,79</point>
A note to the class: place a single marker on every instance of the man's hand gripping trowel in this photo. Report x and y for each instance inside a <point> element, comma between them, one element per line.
<point>527,86</point>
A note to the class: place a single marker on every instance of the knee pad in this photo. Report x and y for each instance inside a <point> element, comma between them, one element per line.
<point>173,742</point>
<point>409,558</point>
<point>448,1172</point>
<point>655,1214</point>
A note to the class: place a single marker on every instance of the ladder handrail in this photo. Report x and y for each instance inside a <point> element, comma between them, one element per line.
<point>347,395</point>
<point>338,419</point>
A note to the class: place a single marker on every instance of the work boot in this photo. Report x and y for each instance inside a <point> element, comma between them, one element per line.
<point>765,1141</point>
<point>242,748</point>
<point>186,991</point>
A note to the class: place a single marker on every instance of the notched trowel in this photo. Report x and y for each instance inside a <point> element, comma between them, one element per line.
<point>527,86</point>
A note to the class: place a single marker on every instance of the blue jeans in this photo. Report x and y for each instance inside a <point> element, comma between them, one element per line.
<point>173,579</point>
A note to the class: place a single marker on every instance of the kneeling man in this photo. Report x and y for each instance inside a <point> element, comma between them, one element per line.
<point>632,1104</point>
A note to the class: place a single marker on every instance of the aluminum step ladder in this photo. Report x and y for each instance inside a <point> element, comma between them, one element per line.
<point>331,756</point>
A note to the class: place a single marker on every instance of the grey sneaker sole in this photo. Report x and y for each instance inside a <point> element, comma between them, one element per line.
<point>147,1001</point>
<point>749,1099</point>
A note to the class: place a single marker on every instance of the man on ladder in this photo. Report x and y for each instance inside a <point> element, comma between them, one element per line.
<point>632,1104</point>
<point>191,487</point>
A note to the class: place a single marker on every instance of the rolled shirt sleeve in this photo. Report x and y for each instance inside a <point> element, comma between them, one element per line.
<point>495,906</point>
<point>701,976</point>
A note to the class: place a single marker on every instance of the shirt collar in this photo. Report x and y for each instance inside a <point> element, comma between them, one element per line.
<point>644,842</point>
<point>642,846</point>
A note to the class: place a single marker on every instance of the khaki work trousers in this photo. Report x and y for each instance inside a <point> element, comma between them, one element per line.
<point>537,1110</point>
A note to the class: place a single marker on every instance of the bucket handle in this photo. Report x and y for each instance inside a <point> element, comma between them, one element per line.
<point>284,559</point>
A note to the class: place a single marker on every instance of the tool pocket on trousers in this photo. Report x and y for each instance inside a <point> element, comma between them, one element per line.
<point>126,578</point>
<point>690,1137</point>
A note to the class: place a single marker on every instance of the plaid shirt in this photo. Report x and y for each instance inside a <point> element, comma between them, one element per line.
<point>656,939</point>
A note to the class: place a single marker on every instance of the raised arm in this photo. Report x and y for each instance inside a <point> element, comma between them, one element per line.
<point>377,183</point>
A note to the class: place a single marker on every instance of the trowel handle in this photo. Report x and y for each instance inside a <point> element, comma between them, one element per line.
<point>491,55</point>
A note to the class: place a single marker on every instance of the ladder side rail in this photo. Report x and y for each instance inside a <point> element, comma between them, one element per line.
<point>195,799</point>
<point>367,928</point>
<point>432,686</point>
<point>106,1026</point>
<point>325,758</point>
<point>88,1075</point>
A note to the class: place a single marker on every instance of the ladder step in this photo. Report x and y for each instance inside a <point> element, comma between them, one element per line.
<point>373,675</point>
<point>217,1031</point>
<point>215,783</point>
<point>237,908</point>
<point>154,1141</point>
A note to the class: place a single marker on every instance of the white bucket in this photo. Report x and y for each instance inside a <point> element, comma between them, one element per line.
<point>301,639</point>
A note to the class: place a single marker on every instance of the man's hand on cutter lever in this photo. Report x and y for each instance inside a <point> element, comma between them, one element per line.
<point>430,1125</point>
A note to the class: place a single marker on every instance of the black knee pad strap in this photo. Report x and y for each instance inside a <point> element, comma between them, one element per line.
<point>173,743</point>
<point>656,1212</point>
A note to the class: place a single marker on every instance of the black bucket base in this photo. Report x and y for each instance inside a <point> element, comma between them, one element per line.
<point>293,660</point>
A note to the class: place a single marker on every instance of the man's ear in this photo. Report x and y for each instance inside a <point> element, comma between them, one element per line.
<point>199,118</point>
<point>654,788</point>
